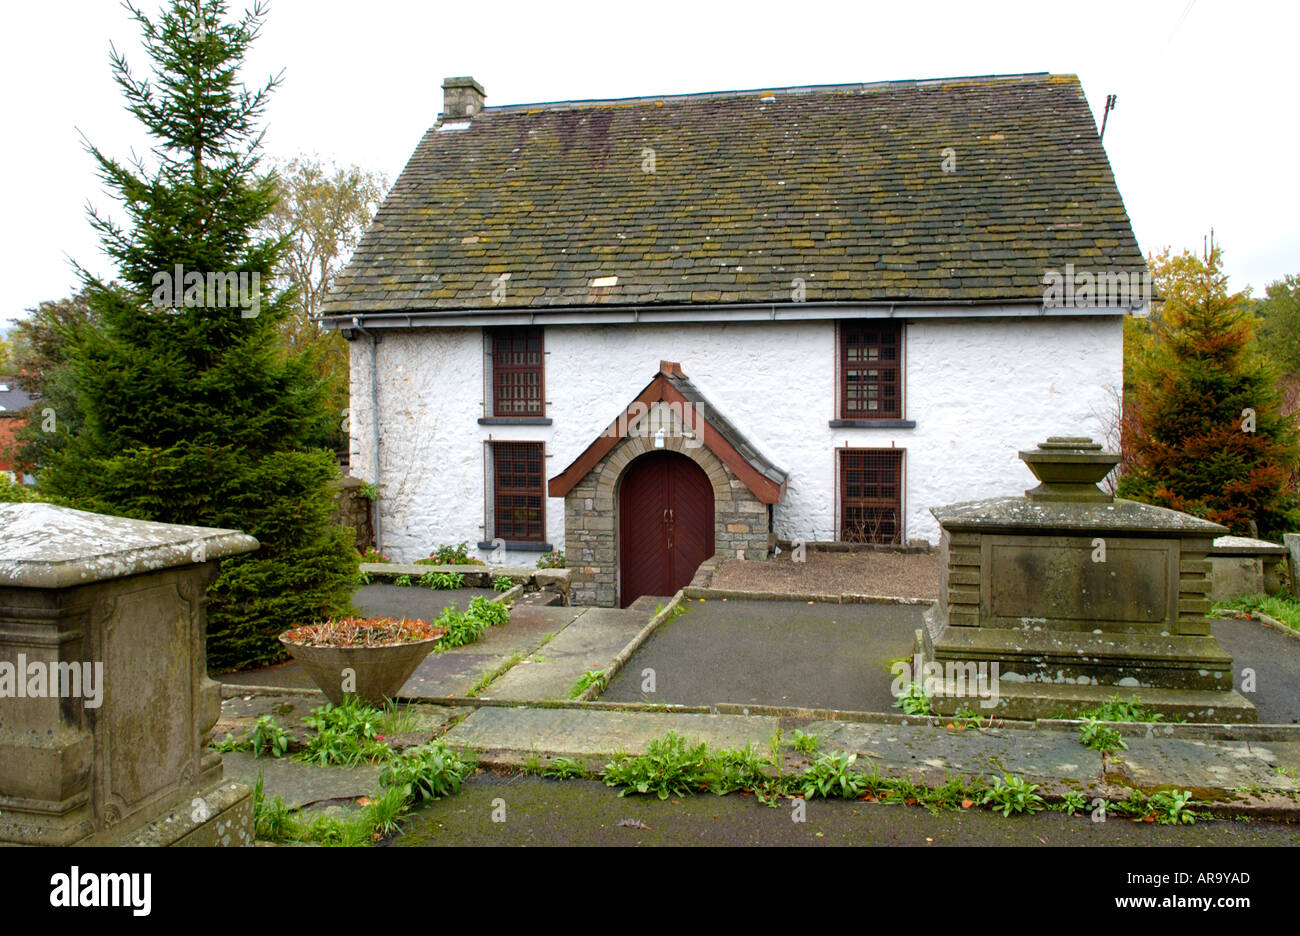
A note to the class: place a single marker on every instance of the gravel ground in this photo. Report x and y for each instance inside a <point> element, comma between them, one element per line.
<point>907,575</point>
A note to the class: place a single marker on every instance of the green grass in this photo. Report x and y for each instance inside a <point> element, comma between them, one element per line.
<point>1282,607</point>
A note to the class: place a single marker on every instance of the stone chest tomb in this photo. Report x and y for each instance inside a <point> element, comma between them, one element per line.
<point>106,708</point>
<point>1077,596</point>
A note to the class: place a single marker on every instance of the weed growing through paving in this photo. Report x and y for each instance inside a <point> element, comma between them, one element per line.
<point>411,778</point>
<point>1097,736</point>
<point>671,766</point>
<point>913,700</point>
<point>346,734</point>
<point>1072,803</point>
<point>674,766</point>
<point>564,768</point>
<point>805,743</point>
<point>503,583</point>
<point>1013,795</point>
<point>442,580</point>
<point>1094,734</point>
<point>425,773</point>
<point>832,776</point>
<point>465,627</point>
<point>266,739</point>
<point>493,675</point>
<point>1116,709</point>
<point>586,681</point>
<point>398,719</point>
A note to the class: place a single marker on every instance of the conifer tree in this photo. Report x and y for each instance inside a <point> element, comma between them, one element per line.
<point>189,411</point>
<point>1203,429</point>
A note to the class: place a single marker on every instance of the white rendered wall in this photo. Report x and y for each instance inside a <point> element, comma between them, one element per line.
<point>979,390</point>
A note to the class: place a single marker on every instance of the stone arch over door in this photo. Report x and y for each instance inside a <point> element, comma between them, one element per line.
<point>672,413</point>
<point>740,520</point>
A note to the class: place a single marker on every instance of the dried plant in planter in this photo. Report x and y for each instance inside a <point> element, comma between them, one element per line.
<point>363,632</point>
<point>367,657</point>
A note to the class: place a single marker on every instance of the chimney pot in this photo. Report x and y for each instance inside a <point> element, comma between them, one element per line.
<point>461,97</point>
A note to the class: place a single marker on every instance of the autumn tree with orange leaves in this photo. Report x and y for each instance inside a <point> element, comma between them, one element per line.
<point>1202,425</point>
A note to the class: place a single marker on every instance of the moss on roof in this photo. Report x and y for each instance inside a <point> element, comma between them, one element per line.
<point>845,190</point>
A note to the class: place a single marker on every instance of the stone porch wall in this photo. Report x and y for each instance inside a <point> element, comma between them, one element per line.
<point>591,509</point>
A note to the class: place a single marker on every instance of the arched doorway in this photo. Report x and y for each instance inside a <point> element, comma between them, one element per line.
<point>665,526</point>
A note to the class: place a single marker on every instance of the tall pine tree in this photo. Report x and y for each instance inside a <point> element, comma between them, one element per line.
<point>190,411</point>
<point>1203,431</point>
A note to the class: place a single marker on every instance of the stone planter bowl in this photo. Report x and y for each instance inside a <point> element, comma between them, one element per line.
<point>379,671</point>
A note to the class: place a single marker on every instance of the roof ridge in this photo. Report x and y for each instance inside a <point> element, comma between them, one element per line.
<point>895,84</point>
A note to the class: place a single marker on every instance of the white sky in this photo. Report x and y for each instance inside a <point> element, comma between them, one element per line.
<point>1205,131</point>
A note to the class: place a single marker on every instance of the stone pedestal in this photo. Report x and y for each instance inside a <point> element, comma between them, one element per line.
<point>106,708</point>
<point>1075,596</point>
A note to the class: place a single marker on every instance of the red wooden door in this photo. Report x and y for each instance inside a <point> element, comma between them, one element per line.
<point>665,525</point>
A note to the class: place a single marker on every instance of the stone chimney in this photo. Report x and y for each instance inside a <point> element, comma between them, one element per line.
<point>461,97</point>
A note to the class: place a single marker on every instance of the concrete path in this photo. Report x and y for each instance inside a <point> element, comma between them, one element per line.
<point>1275,661</point>
<point>590,642</point>
<point>828,656</point>
<point>458,671</point>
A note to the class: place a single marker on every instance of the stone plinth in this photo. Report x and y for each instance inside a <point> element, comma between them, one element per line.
<point>1076,596</point>
<point>106,708</point>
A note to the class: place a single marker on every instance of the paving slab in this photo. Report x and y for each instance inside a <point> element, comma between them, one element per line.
<point>590,732</point>
<point>299,784</point>
<point>987,753</point>
<point>1200,766</point>
<point>239,714</point>
<point>590,642</point>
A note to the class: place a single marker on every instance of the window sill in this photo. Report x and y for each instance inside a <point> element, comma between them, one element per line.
<point>873,424</point>
<point>514,421</point>
<point>519,546</point>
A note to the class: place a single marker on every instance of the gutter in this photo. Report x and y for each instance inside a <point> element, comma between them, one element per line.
<point>374,424</point>
<point>713,312</point>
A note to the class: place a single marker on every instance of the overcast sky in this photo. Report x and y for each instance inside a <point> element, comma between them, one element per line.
<point>1205,133</point>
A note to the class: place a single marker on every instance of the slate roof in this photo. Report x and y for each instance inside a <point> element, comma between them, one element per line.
<point>13,399</point>
<point>841,186</point>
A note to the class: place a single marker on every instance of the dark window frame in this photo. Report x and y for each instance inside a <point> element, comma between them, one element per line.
<point>865,494</point>
<point>853,344</point>
<point>505,455</point>
<point>507,407</point>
